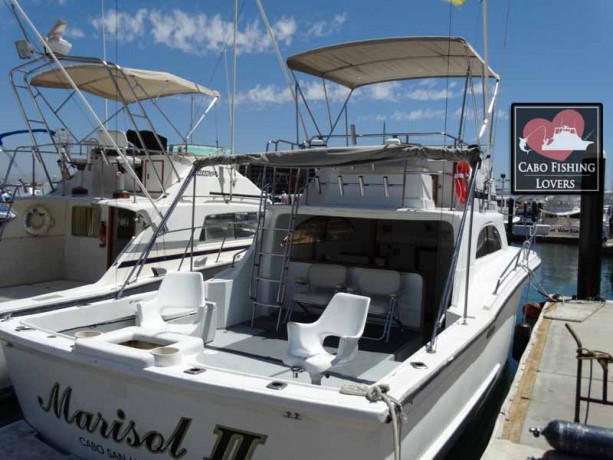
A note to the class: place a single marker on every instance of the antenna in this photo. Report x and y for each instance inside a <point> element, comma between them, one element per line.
<point>54,40</point>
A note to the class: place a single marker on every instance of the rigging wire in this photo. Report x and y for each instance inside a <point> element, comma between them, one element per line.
<point>447,79</point>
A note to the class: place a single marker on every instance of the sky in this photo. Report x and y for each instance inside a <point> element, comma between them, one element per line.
<point>545,51</point>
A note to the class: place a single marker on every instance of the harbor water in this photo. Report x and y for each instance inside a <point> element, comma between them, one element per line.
<point>557,275</point>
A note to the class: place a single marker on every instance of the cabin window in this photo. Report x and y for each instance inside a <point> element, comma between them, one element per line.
<point>489,241</point>
<point>323,229</point>
<point>85,221</point>
<point>229,226</point>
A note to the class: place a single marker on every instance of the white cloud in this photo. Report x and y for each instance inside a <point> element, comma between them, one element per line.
<point>193,33</point>
<point>431,94</point>
<point>427,83</point>
<point>272,94</point>
<point>419,114</point>
<point>125,27</point>
<point>384,91</point>
<point>74,32</point>
<point>285,29</point>
<point>264,95</point>
<point>502,114</point>
<point>324,28</point>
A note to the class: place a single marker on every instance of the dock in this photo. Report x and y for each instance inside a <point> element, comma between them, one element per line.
<point>544,386</point>
<point>21,442</point>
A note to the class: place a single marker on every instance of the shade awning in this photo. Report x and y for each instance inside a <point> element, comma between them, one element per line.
<point>367,62</point>
<point>344,156</point>
<point>120,84</point>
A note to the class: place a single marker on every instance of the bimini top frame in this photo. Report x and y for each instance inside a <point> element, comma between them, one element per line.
<point>361,63</point>
<point>120,83</point>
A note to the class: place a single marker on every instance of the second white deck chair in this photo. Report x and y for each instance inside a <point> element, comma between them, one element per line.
<point>344,317</point>
<point>179,291</point>
<point>383,289</point>
<point>322,281</point>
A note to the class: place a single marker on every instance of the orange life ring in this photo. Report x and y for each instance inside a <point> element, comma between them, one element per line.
<point>461,172</point>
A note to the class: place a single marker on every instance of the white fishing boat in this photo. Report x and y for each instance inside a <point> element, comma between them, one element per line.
<point>80,241</point>
<point>384,246</point>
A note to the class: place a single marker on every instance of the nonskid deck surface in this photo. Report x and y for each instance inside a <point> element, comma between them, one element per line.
<point>24,291</point>
<point>260,350</point>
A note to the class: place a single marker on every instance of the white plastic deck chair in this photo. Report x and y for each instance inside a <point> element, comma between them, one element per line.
<point>383,289</point>
<point>322,281</point>
<point>344,317</point>
<point>178,291</point>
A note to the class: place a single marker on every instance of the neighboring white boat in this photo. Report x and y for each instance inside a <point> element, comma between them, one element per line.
<point>84,237</point>
<point>113,183</point>
<point>432,292</point>
<point>558,220</point>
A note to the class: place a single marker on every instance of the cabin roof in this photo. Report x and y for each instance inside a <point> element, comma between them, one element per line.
<point>120,83</point>
<point>361,63</point>
<point>318,157</point>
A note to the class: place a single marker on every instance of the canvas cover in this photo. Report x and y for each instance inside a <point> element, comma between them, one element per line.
<point>367,62</point>
<point>322,157</point>
<point>120,84</point>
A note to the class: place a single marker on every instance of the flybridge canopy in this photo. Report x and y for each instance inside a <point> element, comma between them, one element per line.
<point>344,156</point>
<point>367,62</point>
<point>120,84</point>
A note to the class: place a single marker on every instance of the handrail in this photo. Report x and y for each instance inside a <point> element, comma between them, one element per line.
<point>276,142</point>
<point>237,254</point>
<point>405,134</point>
<point>161,228</point>
<point>431,346</point>
<point>514,262</point>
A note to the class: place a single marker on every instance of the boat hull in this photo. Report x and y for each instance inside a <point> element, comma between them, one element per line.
<point>94,411</point>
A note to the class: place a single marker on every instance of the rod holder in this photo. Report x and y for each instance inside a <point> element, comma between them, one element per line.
<point>318,184</point>
<point>386,187</point>
<point>341,186</point>
<point>361,182</point>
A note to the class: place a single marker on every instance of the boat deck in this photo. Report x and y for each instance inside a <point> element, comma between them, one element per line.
<point>544,386</point>
<point>260,350</point>
<point>24,291</point>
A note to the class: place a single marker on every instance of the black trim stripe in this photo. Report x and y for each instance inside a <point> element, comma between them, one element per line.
<point>131,263</point>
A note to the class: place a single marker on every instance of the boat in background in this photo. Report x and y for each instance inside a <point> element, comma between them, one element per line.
<point>106,186</point>
<point>426,319</point>
<point>81,240</point>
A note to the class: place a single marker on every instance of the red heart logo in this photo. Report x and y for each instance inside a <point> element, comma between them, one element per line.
<point>539,132</point>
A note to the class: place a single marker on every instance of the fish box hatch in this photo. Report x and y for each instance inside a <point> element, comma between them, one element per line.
<point>141,344</point>
<point>135,346</point>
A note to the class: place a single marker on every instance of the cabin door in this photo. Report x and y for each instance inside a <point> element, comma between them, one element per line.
<point>153,173</point>
<point>122,228</point>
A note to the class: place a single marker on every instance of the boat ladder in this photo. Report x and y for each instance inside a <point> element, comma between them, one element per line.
<point>272,247</point>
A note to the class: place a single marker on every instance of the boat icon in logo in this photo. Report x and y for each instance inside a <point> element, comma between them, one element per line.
<point>565,138</point>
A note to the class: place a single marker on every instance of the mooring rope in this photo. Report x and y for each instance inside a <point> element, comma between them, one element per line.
<point>376,393</point>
